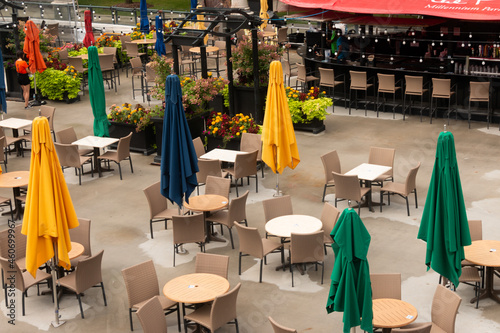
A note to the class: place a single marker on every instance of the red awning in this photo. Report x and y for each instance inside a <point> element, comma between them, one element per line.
<point>456,9</point>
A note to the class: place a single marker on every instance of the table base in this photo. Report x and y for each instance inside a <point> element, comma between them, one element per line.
<point>488,291</point>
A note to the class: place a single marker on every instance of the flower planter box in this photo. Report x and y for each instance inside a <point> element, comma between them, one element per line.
<point>215,142</point>
<point>71,100</point>
<point>315,126</point>
<point>196,127</point>
<point>141,142</point>
<point>244,102</point>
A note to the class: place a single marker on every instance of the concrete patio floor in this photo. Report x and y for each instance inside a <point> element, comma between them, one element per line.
<point>119,213</point>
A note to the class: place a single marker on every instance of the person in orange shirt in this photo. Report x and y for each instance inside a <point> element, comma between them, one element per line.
<point>23,76</point>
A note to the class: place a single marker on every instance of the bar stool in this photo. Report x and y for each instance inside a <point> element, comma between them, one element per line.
<point>479,92</point>
<point>287,71</point>
<point>414,86</point>
<point>358,82</point>
<point>303,77</point>
<point>327,79</point>
<point>386,85</point>
<point>441,88</point>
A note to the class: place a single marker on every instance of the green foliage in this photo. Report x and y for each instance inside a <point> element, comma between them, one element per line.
<point>306,111</point>
<point>225,93</point>
<point>53,83</point>
<point>242,60</point>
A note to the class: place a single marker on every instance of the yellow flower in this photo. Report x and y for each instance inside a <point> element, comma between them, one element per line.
<point>295,95</point>
<point>244,131</point>
<point>237,133</point>
<point>312,97</point>
<point>215,129</point>
<point>242,127</point>
<point>209,73</point>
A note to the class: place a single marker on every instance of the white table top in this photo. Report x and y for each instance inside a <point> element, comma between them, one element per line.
<point>283,226</point>
<point>368,171</point>
<point>95,141</point>
<point>224,155</point>
<point>15,123</point>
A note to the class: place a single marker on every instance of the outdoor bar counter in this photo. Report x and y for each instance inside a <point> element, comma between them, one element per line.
<point>400,66</point>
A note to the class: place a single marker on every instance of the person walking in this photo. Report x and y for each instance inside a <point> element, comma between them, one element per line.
<point>23,76</point>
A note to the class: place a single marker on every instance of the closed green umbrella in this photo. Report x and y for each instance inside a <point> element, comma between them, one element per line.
<point>444,224</point>
<point>351,291</point>
<point>96,94</point>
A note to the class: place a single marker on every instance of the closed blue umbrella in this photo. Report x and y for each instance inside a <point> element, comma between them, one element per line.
<point>194,4</point>
<point>144,27</point>
<point>160,45</point>
<point>179,163</point>
<point>3,100</point>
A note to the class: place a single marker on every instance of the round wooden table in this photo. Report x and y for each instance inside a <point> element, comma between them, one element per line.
<point>485,253</point>
<point>206,203</point>
<point>195,288</point>
<point>207,48</point>
<point>389,313</point>
<point>77,250</point>
<point>15,180</point>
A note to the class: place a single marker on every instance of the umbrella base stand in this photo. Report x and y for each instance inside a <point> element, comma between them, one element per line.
<point>277,193</point>
<point>37,103</point>
<point>57,324</point>
<point>182,250</point>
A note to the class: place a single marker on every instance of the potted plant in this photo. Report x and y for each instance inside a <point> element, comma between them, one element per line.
<point>308,110</point>
<point>162,66</point>
<point>58,84</point>
<point>125,119</point>
<point>242,59</point>
<point>224,131</point>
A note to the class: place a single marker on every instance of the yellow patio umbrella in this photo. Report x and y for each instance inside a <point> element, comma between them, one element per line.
<point>263,13</point>
<point>200,25</point>
<point>49,212</point>
<point>279,148</point>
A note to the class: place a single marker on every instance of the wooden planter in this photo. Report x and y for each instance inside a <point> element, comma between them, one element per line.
<point>141,142</point>
<point>196,127</point>
<point>244,102</point>
<point>315,126</point>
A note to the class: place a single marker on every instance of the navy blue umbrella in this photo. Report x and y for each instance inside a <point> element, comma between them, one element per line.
<point>194,4</point>
<point>3,100</point>
<point>144,27</point>
<point>160,45</point>
<point>179,163</point>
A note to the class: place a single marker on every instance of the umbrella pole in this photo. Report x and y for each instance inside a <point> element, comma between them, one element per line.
<point>181,249</point>
<point>53,265</point>
<point>277,193</point>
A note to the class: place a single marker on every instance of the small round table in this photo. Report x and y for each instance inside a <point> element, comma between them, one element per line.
<point>284,226</point>
<point>206,203</point>
<point>207,48</point>
<point>195,288</point>
<point>389,313</point>
<point>77,250</point>
<point>15,180</point>
<point>485,253</point>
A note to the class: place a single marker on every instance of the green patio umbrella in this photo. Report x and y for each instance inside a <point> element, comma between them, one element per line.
<point>96,94</point>
<point>351,290</point>
<point>444,224</point>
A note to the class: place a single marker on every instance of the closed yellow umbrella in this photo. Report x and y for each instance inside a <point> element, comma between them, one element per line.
<point>49,212</point>
<point>279,148</point>
<point>263,13</point>
<point>200,25</point>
